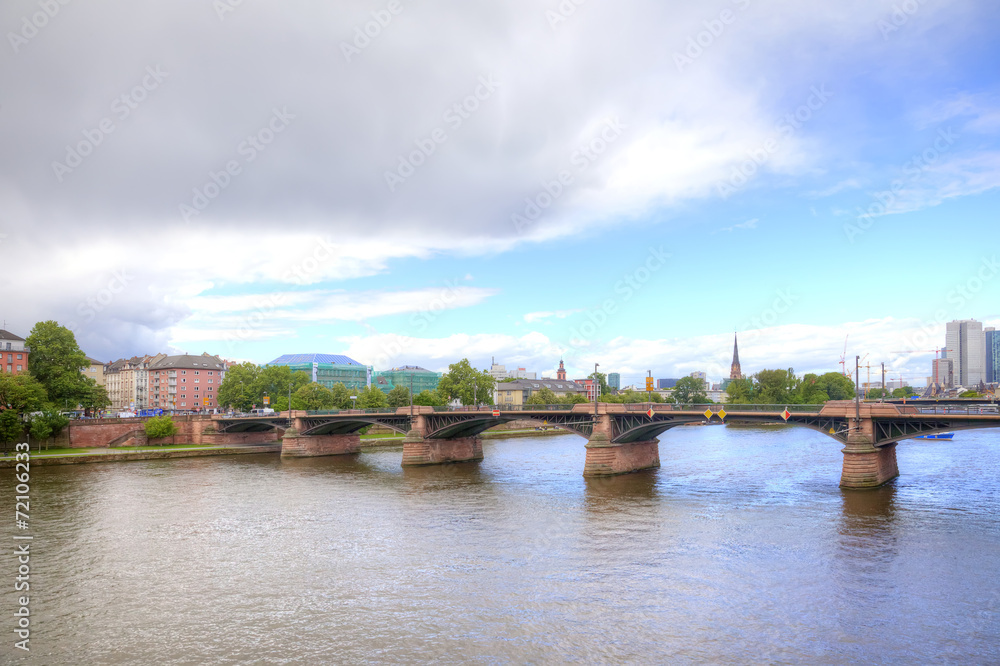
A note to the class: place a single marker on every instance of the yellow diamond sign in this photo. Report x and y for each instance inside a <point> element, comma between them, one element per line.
<point>708,414</point>
<point>722,413</point>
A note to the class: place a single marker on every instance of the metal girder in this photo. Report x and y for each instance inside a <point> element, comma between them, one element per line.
<point>448,426</point>
<point>889,431</point>
<point>632,427</point>
<point>319,425</point>
<point>250,425</point>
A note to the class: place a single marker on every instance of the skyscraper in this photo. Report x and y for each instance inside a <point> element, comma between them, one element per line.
<point>967,343</point>
<point>992,355</point>
<point>614,380</point>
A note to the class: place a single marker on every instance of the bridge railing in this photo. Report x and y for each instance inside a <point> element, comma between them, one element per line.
<point>715,407</point>
<point>328,412</point>
<point>955,410</point>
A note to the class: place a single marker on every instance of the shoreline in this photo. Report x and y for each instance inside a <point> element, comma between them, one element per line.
<point>128,456</point>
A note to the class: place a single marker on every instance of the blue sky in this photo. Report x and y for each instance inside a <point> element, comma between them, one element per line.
<point>731,185</point>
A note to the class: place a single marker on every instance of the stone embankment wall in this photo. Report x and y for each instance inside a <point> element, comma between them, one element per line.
<point>104,433</point>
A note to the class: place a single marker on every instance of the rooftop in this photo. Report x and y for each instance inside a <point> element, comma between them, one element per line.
<point>7,335</point>
<point>295,359</point>
<point>189,361</point>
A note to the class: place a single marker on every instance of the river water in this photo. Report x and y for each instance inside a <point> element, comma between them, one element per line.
<point>741,548</point>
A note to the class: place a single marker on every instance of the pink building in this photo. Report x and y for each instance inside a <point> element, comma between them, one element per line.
<point>13,353</point>
<point>186,383</point>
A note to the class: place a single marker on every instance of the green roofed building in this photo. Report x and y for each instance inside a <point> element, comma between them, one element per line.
<point>328,369</point>
<point>423,379</point>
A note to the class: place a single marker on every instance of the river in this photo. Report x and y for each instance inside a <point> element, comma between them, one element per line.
<point>741,548</point>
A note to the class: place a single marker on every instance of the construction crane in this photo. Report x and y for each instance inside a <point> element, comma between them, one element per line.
<point>843,357</point>
<point>921,351</point>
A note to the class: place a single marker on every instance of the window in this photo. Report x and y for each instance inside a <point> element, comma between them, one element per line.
<point>184,372</point>
<point>183,380</point>
<point>183,404</point>
<point>209,381</point>
<point>210,372</point>
<point>18,357</point>
<point>196,372</point>
<point>19,367</point>
<point>197,380</point>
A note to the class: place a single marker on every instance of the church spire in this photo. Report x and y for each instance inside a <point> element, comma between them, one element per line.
<point>734,371</point>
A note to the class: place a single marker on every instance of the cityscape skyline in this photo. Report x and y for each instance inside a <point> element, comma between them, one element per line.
<point>632,221</point>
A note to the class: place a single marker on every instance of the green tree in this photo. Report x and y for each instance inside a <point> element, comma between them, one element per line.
<point>969,394</point>
<point>341,396</point>
<point>468,385</point>
<point>56,361</point>
<point>11,428</point>
<point>160,426</point>
<point>273,381</point>
<point>777,387</point>
<point>573,399</point>
<point>21,393</point>
<point>313,396</point>
<point>602,380</point>
<point>429,399</point>
<point>543,396</point>
<point>372,398</point>
<point>904,392</point>
<point>97,396</point>
<point>398,397</point>
<point>47,425</point>
<point>690,390</point>
<point>237,388</point>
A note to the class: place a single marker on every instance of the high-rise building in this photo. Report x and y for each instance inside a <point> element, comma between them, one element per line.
<point>992,355</point>
<point>967,343</point>
<point>614,380</point>
<point>668,383</point>
<point>943,372</point>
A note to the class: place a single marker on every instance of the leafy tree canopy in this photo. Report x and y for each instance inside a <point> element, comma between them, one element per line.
<point>398,397</point>
<point>690,390</point>
<point>468,385</point>
<point>56,361</point>
<point>21,393</point>
<point>371,397</point>
<point>429,399</point>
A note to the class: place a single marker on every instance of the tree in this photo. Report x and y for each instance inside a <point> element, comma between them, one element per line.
<point>740,391</point>
<point>97,396</point>
<point>11,428</point>
<point>56,361</point>
<point>602,381</point>
<point>372,398</point>
<point>969,394</point>
<point>313,396</point>
<point>341,396</point>
<point>273,381</point>
<point>573,399</point>
<point>776,387</point>
<point>160,426</point>
<point>466,384</point>
<point>543,396</point>
<point>904,392</point>
<point>690,390</point>
<point>21,393</point>
<point>46,425</point>
<point>237,388</point>
<point>429,399</point>
<point>399,397</point>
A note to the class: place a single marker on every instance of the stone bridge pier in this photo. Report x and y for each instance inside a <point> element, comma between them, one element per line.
<point>865,465</point>
<point>419,449</point>
<point>606,457</point>
<point>296,444</point>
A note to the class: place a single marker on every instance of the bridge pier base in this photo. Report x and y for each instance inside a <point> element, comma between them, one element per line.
<point>419,451</point>
<point>607,458</point>
<point>294,445</point>
<point>866,466</point>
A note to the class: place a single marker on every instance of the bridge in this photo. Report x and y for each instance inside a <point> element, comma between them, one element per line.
<point>620,438</point>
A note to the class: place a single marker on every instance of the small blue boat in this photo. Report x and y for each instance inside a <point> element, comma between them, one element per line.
<point>940,435</point>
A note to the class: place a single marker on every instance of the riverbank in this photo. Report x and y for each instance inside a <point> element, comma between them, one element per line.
<point>145,453</point>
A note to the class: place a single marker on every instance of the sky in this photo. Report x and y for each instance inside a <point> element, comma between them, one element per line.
<point>408,183</point>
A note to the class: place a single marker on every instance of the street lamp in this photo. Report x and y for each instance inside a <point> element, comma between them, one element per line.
<point>596,365</point>
<point>289,400</point>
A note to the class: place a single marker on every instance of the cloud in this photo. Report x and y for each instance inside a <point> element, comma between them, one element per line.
<point>749,224</point>
<point>532,317</point>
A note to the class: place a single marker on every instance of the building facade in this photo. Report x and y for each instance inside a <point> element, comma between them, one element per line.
<point>127,382</point>
<point>518,391</point>
<point>992,355</point>
<point>942,372</point>
<point>665,384</point>
<point>94,371</point>
<point>967,344</point>
<point>614,381</point>
<point>561,372</point>
<point>407,376</point>
<point>329,369</point>
<point>185,382</point>
<point>13,353</point>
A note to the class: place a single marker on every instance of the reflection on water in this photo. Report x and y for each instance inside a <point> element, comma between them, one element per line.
<point>741,548</point>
